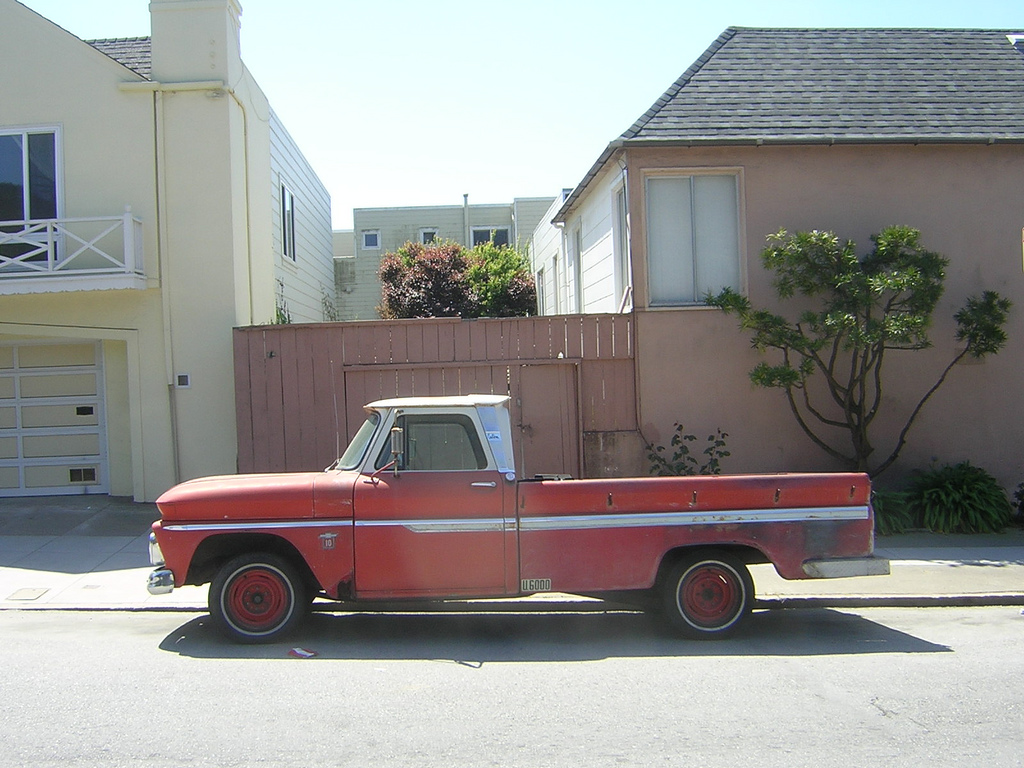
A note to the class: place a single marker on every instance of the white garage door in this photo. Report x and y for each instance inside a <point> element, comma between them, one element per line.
<point>52,437</point>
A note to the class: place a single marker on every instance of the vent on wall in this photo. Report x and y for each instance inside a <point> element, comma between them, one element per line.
<point>183,381</point>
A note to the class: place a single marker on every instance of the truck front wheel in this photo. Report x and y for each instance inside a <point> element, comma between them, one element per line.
<point>707,596</point>
<point>257,598</point>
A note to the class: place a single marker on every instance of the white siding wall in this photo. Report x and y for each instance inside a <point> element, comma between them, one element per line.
<point>305,282</point>
<point>595,217</point>
<point>553,249</point>
<point>546,252</point>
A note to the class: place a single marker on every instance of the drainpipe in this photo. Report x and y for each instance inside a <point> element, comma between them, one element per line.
<point>165,272</point>
<point>465,219</point>
<point>248,213</point>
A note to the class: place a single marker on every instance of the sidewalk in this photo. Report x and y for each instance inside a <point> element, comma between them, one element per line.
<point>91,553</point>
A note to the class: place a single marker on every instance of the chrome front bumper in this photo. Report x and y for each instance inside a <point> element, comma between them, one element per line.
<point>846,567</point>
<point>160,582</point>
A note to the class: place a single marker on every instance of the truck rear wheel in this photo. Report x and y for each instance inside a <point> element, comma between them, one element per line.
<point>257,598</point>
<point>707,596</point>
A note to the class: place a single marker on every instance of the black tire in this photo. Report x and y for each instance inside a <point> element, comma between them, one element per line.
<point>707,595</point>
<point>258,598</point>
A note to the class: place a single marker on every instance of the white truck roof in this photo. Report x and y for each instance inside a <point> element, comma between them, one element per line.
<point>449,401</point>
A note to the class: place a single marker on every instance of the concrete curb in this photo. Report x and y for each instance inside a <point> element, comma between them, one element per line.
<point>582,605</point>
<point>889,601</point>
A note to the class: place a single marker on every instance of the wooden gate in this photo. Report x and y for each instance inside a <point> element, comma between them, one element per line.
<point>300,389</point>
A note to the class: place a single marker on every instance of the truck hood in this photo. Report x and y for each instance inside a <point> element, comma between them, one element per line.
<point>285,496</point>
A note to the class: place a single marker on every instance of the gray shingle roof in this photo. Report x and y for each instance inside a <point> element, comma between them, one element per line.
<point>136,53</point>
<point>798,85</point>
<point>882,86</point>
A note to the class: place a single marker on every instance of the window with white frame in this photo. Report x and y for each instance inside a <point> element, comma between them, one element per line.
<point>287,222</point>
<point>557,282</point>
<point>28,190</point>
<point>371,239</point>
<point>496,235</point>
<point>576,264</point>
<point>428,235</point>
<point>623,278</point>
<point>693,243</point>
<point>28,175</point>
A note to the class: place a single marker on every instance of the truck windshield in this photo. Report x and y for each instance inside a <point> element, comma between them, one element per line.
<point>353,455</point>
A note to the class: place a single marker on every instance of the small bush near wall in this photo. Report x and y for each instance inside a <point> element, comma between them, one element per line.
<point>959,499</point>
<point>892,512</point>
<point>681,461</point>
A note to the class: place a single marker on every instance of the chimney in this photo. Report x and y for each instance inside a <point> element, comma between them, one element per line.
<point>195,40</point>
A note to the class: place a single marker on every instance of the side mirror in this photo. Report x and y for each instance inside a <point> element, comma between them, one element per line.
<point>397,446</point>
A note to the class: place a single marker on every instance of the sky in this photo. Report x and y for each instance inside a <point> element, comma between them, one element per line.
<point>418,102</point>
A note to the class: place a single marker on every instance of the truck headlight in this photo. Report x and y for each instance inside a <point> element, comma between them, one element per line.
<point>156,557</point>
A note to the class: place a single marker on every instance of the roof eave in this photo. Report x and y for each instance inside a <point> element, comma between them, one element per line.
<point>616,147</point>
<point>578,191</point>
<point>698,141</point>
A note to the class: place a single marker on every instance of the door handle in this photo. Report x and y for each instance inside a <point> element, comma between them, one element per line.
<point>491,484</point>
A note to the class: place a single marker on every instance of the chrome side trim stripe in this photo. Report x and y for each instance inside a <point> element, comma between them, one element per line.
<point>256,525</point>
<point>559,523</point>
<point>465,525</point>
<point>713,517</point>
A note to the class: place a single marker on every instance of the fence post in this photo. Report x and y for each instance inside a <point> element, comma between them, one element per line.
<point>128,226</point>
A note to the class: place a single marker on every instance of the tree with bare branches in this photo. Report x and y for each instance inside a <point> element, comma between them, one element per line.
<point>867,307</point>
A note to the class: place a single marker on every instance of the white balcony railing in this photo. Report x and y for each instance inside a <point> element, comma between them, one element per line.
<point>71,254</point>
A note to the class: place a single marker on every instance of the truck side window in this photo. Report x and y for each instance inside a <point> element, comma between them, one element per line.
<point>436,442</point>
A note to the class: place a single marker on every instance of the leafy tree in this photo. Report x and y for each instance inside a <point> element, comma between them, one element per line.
<point>499,277</point>
<point>421,280</point>
<point>865,308</point>
<point>443,279</point>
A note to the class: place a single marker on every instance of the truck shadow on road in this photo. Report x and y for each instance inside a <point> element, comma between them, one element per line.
<point>479,638</point>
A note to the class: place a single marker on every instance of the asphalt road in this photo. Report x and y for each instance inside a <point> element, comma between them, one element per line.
<point>884,686</point>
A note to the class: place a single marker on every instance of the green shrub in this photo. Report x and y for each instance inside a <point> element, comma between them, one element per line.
<point>959,499</point>
<point>892,512</point>
<point>443,279</point>
<point>682,462</point>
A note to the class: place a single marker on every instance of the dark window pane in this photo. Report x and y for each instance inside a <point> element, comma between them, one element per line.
<point>500,237</point>
<point>438,443</point>
<point>481,236</point>
<point>42,176</point>
<point>12,182</point>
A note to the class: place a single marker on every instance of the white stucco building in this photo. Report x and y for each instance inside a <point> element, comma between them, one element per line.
<point>150,201</point>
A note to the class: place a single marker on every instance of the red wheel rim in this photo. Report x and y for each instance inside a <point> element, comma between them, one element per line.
<point>710,595</point>
<point>258,598</point>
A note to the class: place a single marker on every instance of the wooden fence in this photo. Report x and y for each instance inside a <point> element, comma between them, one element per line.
<point>300,389</point>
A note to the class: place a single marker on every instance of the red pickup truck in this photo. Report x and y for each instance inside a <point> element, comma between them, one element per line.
<point>425,504</point>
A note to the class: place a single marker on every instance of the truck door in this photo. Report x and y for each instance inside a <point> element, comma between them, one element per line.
<point>440,527</point>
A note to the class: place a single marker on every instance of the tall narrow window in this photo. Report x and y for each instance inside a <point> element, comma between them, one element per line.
<point>692,237</point>
<point>576,260</point>
<point>557,282</point>
<point>623,278</point>
<point>541,293</point>
<point>288,222</point>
